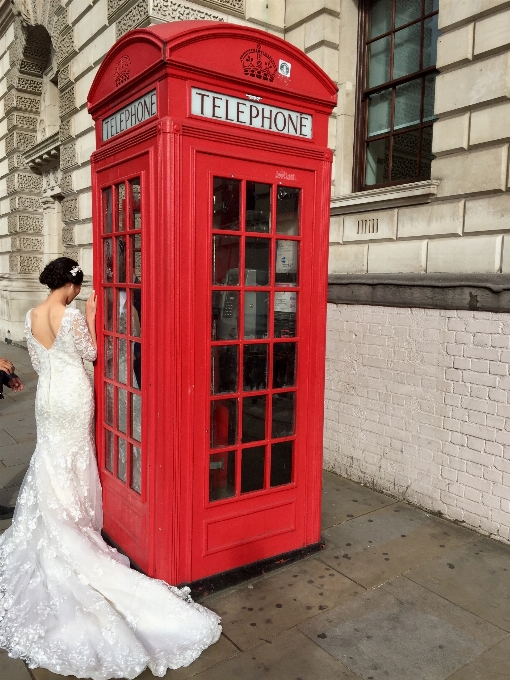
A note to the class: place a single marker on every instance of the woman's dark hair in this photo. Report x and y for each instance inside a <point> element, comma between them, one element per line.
<point>61,271</point>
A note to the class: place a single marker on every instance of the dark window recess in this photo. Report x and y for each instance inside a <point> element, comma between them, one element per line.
<point>395,114</point>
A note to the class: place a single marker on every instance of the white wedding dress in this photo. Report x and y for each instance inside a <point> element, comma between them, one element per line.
<point>69,602</point>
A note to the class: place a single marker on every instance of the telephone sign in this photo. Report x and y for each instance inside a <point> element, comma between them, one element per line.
<point>211,187</point>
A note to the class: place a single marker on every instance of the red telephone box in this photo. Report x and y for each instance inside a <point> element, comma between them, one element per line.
<point>211,186</point>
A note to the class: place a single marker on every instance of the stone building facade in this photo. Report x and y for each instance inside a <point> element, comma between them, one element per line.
<point>419,308</point>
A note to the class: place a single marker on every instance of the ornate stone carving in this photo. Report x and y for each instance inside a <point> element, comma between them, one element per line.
<point>134,17</point>
<point>66,183</point>
<point>65,49</point>
<point>175,11</point>
<point>30,264</point>
<point>68,236</point>
<point>38,44</point>
<point>52,180</point>
<point>27,223</point>
<point>234,6</point>
<point>19,140</point>
<point>31,67</point>
<point>15,162</point>
<point>59,25</point>
<point>19,181</point>
<point>26,243</point>
<point>22,120</point>
<point>66,101</point>
<point>64,77</point>
<point>73,254</point>
<point>65,130</point>
<point>24,203</point>
<point>70,209</point>
<point>29,85</point>
<point>14,100</point>
<point>14,264</point>
<point>114,5</point>
<point>68,156</point>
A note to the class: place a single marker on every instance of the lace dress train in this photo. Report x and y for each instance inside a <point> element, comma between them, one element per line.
<point>68,601</point>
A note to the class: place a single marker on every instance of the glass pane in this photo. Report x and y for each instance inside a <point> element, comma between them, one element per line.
<point>224,369</point>
<point>378,154</point>
<point>136,363</point>
<point>254,418</point>
<point>108,356</point>
<point>255,368</point>
<point>136,215</point>
<point>120,274</point>
<point>122,410</point>
<point>281,463</point>
<point>225,311</point>
<point>108,309</point>
<point>426,152</point>
<point>121,310</point>
<point>226,260</point>
<point>222,475</point>
<point>107,210</point>
<point>223,422</point>
<point>285,308</point>
<point>258,206</point>
<point>379,62</point>
<point>122,360</point>
<point>283,414</point>
<point>430,36</point>
<point>107,261</point>
<point>407,104</point>
<point>121,193</point>
<point>287,211</point>
<point>379,18</point>
<point>226,203</point>
<point>136,417</point>
<point>108,456</point>
<point>406,11</point>
<point>136,469</point>
<point>252,469</point>
<point>379,113</point>
<point>284,364</point>
<point>287,260</point>
<point>135,275</point>
<point>108,409</point>
<point>431,6</point>
<point>136,311</point>
<point>121,463</point>
<point>406,58</point>
<point>255,315</point>
<point>405,155</point>
<point>428,99</point>
<point>256,266</point>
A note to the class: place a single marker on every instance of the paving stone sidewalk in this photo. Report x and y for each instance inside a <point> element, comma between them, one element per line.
<point>397,594</point>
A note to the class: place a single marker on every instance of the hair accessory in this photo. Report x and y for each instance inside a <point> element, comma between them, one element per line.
<point>75,270</point>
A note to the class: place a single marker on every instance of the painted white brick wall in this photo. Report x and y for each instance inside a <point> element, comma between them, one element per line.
<point>417,406</point>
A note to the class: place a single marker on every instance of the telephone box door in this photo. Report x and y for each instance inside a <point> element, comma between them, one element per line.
<point>255,476</point>
<point>122,208</point>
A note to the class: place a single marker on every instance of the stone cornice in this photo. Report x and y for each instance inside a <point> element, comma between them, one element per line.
<point>44,155</point>
<point>387,197</point>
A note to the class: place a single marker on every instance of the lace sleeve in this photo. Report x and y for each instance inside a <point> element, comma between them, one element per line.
<point>82,339</point>
<point>31,351</point>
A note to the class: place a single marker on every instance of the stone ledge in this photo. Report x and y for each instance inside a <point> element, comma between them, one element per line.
<point>484,292</point>
<point>387,197</point>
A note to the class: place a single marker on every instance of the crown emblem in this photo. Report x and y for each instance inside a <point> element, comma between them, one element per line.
<point>122,70</point>
<point>258,64</point>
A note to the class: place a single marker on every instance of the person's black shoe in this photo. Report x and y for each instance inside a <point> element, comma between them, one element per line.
<point>6,513</point>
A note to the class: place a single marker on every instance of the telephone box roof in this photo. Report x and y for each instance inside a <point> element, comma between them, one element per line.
<point>236,54</point>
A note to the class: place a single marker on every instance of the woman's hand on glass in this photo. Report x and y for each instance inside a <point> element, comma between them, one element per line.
<point>91,307</point>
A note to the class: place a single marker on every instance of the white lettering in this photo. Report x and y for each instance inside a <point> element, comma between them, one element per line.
<point>134,113</point>
<point>260,116</point>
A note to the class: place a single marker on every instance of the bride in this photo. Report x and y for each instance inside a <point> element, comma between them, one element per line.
<point>68,601</point>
